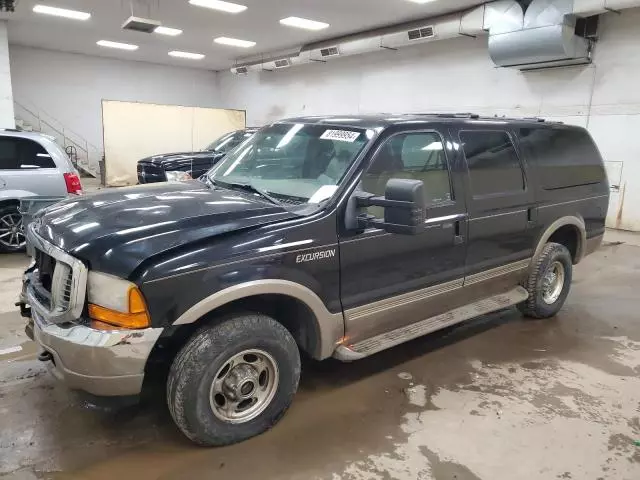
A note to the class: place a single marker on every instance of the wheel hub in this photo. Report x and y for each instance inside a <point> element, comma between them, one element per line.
<point>244,386</point>
<point>553,283</point>
<point>11,231</point>
<point>240,382</point>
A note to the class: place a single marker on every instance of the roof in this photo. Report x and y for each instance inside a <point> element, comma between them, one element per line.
<point>385,120</point>
<point>12,132</point>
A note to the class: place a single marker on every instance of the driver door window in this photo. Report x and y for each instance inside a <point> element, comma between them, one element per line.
<point>416,156</point>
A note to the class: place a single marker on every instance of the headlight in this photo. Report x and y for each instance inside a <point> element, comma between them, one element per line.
<point>177,176</point>
<point>114,302</point>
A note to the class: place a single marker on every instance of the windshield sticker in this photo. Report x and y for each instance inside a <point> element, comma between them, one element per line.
<point>340,135</point>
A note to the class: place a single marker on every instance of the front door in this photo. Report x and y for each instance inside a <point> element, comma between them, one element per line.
<point>390,280</point>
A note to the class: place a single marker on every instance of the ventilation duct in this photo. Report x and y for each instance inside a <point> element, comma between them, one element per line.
<point>545,38</point>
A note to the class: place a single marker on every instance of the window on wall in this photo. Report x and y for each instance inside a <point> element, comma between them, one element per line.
<point>416,156</point>
<point>494,166</point>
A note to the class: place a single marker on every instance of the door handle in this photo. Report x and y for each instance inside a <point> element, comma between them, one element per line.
<point>458,238</point>
<point>531,222</point>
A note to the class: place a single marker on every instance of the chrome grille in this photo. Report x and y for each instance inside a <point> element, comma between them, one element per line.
<point>58,285</point>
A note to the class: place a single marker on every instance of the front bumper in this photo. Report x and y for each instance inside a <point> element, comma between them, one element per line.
<point>105,363</point>
<point>100,362</point>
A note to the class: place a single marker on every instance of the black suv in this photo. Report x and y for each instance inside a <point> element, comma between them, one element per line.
<point>337,237</point>
<point>186,165</point>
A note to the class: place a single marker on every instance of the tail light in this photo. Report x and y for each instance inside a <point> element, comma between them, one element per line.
<point>73,183</point>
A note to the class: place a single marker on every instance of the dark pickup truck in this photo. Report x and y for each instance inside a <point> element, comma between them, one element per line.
<point>338,237</point>
<point>187,165</point>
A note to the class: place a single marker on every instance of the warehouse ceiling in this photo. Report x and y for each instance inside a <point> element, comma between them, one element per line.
<point>259,23</point>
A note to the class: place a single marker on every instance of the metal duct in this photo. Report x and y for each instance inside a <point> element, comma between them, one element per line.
<point>547,38</point>
<point>587,8</point>
<point>544,37</point>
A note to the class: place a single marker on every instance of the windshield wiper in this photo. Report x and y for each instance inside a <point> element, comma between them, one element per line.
<point>246,186</point>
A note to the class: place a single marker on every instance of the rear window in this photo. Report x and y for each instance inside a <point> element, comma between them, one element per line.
<point>566,157</point>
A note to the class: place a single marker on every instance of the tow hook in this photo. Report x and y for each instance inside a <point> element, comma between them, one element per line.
<point>45,357</point>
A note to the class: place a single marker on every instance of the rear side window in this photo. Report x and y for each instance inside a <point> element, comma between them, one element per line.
<point>494,166</point>
<point>566,157</point>
<point>32,154</point>
<point>18,153</point>
<point>9,154</point>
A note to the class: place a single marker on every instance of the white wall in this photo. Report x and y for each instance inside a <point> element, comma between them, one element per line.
<point>457,75</point>
<point>70,87</point>
<point>6,95</point>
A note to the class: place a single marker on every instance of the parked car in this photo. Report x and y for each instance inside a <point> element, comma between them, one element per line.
<point>31,164</point>
<point>339,238</point>
<point>187,165</point>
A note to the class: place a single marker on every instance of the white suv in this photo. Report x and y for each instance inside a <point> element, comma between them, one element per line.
<point>31,164</point>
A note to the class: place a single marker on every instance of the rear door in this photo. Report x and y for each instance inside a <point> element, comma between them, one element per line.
<point>501,203</point>
<point>26,168</point>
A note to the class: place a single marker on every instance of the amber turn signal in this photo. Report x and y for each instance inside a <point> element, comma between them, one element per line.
<point>102,318</point>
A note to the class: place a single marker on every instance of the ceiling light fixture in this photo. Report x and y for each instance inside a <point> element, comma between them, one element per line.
<point>189,55</point>
<point>172,32</point>
<point>234,42</point>
<point>121,46</point>
<point>61,12</point>
<point>219,5</point>
<point>422,1</point>
<point>303,23</point>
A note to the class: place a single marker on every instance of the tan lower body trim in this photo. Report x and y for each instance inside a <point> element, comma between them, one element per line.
<point>395,312</point>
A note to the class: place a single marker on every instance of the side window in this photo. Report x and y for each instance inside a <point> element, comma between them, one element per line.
<point>9,154</point>
<point>417,156</point>
<point>493,163</point>
<point>32,154</point>
<point>565,156</point>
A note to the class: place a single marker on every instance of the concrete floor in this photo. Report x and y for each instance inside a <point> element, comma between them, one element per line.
<point>500,397</point>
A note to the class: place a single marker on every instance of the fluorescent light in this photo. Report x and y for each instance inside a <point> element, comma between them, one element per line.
<point>303,23</point>
<point>61,12</point>
<point>219,5</point>
<point>422,1</point>
<point>189,55</point>
<point>172,32</point>
<point>121,46</point>
<point>234,42</point>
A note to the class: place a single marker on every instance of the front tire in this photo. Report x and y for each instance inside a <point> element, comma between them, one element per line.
<point>549,282</point>
<point>12,236</point>
<point>233,380</point>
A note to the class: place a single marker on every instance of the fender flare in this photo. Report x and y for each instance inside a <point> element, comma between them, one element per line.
<point>559,223</point>
<point>329,326</point>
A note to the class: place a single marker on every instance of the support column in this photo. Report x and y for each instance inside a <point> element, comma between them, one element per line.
<point>7,119</point>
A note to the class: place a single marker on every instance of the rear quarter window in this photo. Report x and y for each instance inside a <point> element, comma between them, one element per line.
<point>565,157</point>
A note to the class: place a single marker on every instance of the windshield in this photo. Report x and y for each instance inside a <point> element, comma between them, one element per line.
<point>229,141</point>
<point>292,163</point>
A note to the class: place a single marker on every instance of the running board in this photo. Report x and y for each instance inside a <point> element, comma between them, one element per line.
<point>404,334</point>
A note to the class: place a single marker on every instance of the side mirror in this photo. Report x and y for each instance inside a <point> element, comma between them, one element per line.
<point>404,204</point>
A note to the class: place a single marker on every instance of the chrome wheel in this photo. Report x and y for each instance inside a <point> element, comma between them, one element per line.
<point>552,283</point>
<point>244,387</point>
<point>12,231</point>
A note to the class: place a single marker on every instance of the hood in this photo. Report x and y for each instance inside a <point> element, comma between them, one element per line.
<point>117,230</point>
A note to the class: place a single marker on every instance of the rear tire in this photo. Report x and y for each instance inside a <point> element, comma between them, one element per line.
<point>549,282</point>
<point>233,380</point>
<point>12,236</point>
